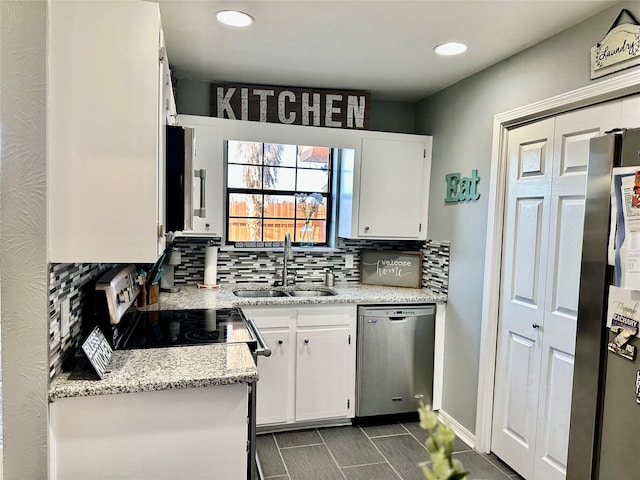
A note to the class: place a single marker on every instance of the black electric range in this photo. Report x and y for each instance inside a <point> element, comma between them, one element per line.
<point>175,328</point>
<point>131,328</point>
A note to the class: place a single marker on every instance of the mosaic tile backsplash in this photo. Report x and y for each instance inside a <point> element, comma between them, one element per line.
<point>75,282</point>
<point>309,266</point>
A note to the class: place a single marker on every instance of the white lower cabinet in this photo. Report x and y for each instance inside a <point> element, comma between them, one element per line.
<point>322,381</point>
<point>161,435</point>
<point>310,375</point>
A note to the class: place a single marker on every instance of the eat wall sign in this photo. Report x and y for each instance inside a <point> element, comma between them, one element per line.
<point>347,109</point>
<point>462,189</point>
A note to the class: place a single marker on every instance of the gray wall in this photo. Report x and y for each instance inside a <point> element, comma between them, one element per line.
<point>23,259</point>
<point>192,98</point>
<point>397,117</point>
<point>460,118</point>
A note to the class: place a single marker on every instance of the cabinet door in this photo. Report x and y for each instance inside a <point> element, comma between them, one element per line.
<point>103,119</point>
<point>391,181</point>
<point>273,389</point>
<point>322,373</point>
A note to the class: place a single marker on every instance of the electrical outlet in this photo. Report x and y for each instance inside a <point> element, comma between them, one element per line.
<point>348,260</point>
<point>65,318</point>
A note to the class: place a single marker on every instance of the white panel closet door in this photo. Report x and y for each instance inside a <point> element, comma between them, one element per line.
<point>631,112</point>
<point>524,275</point>
<point>569,175</point>
<point>541,276</point>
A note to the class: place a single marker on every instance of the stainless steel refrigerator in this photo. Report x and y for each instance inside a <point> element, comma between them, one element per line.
<point>604,436</point>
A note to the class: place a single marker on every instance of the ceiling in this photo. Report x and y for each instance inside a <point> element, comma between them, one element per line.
<point>385,47</point>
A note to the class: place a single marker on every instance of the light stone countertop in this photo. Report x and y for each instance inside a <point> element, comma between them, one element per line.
<point>193,297</point>
<point>133,371</point>
<point>153,369</point>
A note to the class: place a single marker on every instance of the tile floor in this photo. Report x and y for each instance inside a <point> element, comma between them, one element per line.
<point>375,452</point>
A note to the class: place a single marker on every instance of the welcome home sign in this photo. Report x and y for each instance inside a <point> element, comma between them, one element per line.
<point>348,109</point>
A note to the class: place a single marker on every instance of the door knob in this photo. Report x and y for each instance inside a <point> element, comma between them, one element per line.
<point>535,325</point>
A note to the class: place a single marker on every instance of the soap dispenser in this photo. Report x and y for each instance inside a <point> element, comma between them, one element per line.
<point>329,278</point>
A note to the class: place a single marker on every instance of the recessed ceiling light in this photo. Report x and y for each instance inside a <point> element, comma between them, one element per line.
<point>234,18</point>
<point>450,48</point>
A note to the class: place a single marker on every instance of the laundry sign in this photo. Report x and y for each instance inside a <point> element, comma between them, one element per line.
<point>619,49</point>
<point>348,109</point>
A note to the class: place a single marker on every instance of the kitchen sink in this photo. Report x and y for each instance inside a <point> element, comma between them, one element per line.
<point>311,293</point>
<point>260,293</point>
<point>266,293</point>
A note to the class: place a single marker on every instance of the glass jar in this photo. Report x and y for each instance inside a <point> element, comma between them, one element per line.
<point>306,235</point>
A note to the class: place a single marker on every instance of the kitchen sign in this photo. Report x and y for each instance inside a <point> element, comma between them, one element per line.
<point>291,106</point>
<point>619,49</point>
<point>462,189</point>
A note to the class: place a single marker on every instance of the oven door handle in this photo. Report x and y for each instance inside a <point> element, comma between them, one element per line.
<point>263,347</point>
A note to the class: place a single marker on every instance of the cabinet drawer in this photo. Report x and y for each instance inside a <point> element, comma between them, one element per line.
<point>326,315</point>
<point>270,317</point>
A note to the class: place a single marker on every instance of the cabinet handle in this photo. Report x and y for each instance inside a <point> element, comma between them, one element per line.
<point>280,342</point>
<point>306,340</point>
<point>202,211</point>
<point>366,229</point>
<point>535,325</point>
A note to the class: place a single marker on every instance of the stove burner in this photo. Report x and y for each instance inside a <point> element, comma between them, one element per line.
<point>183,315</point>
<point>203,336</point>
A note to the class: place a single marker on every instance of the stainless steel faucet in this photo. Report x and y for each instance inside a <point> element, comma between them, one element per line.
<point>288,255</point>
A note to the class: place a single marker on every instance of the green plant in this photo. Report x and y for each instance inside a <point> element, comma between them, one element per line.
<point>440,446</point>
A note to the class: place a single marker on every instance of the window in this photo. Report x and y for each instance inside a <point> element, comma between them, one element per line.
<point>274,188</point>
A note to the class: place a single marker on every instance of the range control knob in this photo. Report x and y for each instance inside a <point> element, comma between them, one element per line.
<point>122,297</point>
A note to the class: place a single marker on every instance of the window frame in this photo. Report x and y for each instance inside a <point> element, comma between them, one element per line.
<point>328,196</point>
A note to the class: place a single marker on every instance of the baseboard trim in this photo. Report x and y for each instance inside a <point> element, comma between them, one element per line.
<point>462,433</point>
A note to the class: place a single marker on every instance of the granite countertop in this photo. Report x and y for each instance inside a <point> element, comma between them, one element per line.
<point>133,371</point>
<point>153,369</point>
<point>193,297</point>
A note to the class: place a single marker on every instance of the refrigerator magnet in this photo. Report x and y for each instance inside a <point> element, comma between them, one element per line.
<point>626,351</point>
<point>635,198</point>
<point>624,328</point>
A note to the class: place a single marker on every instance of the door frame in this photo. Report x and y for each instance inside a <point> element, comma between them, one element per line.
<point>610,89</point>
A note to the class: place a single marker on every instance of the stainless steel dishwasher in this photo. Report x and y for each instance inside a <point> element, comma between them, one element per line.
<point>395,358</point>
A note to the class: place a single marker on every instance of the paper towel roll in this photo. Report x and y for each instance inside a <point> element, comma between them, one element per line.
<point>210,265</point>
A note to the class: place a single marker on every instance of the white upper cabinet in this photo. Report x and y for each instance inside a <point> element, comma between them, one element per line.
<point>106,115</point>
<point>386,195</point>
<point>383,178</point>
